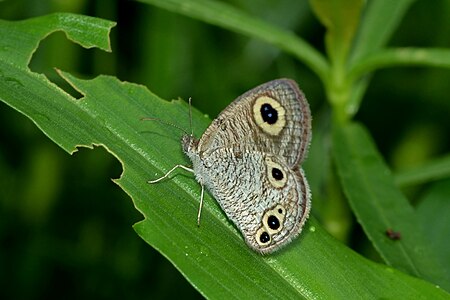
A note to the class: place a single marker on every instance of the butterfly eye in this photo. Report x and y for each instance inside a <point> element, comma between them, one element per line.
<point>273,222</point>
<point>273,219</point>
<point>276,174</point>
<point>263,238</point>
<point>269,115</point>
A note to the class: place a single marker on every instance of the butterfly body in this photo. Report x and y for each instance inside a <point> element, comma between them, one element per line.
<point>248,159</point>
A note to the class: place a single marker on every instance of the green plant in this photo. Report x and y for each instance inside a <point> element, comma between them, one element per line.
<point>213,257</point>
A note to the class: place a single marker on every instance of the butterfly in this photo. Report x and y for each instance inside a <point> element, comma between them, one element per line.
<point>249,159</point>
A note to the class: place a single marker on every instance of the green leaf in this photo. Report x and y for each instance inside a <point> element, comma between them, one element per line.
<point>433,170</point>
<point>359,72</point>
<point>380,206</point>
<point>341,20</point>
<point>19,48</point>
<point>213,257</point>
<point>226,16</point>
<point>433,210</point>
<point>380,20</point>
<point>432,57</point>
<point>31,91</point>
<point>330,205</point>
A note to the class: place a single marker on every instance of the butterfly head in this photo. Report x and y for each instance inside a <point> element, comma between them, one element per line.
<point>189,143</point>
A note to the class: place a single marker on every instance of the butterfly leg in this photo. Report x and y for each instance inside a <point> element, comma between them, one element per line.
<point>201,205</point>
<point>168,173</point>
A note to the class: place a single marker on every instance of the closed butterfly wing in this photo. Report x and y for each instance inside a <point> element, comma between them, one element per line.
<point>248,158</point>
<point>267,200</point>
<point>272,118</point>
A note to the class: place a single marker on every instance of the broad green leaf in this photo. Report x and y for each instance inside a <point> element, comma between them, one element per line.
<point>380,20</point>
<point>341,20</point>
<point>226,16</point>
<point>433,210</point>
<point>213,257</point>
<point>380,206</point>
<point>18,43</point>
<point>433,170</point>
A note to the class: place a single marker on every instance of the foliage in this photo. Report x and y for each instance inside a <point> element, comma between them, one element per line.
<point>213,257</point>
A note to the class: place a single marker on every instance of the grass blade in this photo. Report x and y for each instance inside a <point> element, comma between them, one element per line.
<point>379,206</point>
<point>226,16</point>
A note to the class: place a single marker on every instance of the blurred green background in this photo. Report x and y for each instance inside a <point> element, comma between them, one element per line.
<point>65,227</point>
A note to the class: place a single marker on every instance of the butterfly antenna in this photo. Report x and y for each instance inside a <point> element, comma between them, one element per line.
<point>165,123</point>
<point>190,117</point>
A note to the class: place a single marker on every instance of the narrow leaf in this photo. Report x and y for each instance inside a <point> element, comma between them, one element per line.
<point>226,16</point>
<point>433,170</point>
<point>431,57</point>
<point>433,210</point>
<point>380,20</point>
<point>380,207</point>
<point>341,18</point>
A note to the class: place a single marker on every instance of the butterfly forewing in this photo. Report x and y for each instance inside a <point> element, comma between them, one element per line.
<point>285,131</point>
